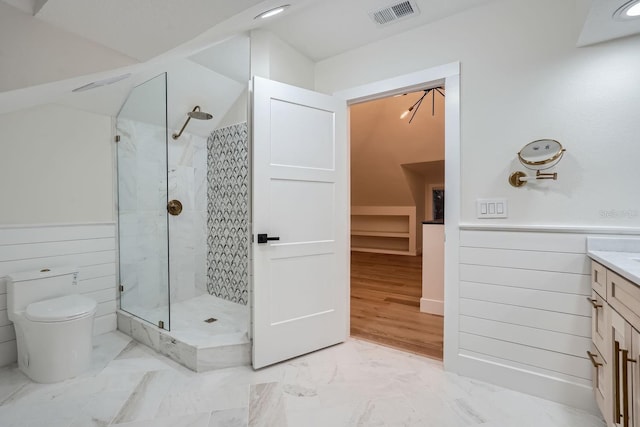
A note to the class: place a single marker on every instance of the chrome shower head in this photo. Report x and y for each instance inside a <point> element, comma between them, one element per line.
<point>193,114</point>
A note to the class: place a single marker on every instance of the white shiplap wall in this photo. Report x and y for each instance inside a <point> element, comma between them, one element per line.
<point>90,247</point>
<point>524,319</point>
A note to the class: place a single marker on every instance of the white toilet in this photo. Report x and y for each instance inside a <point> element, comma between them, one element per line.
<point>54,325</point>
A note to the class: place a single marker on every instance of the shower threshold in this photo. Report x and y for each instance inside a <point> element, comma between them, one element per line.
<point>193,342</point>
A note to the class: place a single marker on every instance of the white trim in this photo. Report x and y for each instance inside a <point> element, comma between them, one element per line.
<point>401,84</point>
<point>75,224</point>
<point>452,189</point>
<point>432,306</point>
<point>449,75</point>
<point>553,229</point>
<point>529,382</point>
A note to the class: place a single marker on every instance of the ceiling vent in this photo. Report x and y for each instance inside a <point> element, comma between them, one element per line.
<point>395,12</point>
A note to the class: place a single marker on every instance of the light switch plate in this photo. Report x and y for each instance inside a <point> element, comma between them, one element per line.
<point>491,208</point>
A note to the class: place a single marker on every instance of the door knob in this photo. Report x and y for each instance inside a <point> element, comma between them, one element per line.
<point>263,238</point>
<point>174,207</point>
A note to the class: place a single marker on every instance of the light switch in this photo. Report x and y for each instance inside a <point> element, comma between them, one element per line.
<point>491,208</point>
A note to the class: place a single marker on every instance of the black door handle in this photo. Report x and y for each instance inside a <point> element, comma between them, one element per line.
<point>263,238</point>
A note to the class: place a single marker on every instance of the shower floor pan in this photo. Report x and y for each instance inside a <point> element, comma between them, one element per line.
<point>195,340</point>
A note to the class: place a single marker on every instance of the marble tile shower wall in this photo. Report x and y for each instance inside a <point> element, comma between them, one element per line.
<point>228,213</point>
<point>142,163</point>
<point>187,162</point>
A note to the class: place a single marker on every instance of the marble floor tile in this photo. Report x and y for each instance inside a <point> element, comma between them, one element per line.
<point>352,384</point>
<point>194,420</point>
<point>230,418</point>
<point>266,405</point>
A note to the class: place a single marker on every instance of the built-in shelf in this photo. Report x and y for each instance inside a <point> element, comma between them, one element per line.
<point>384,229</point>
<point>380,234</point>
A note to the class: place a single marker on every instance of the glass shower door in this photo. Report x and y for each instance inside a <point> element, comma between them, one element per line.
<point>142,202</point>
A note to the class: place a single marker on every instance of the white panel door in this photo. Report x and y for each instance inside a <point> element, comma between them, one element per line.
<point>300,282</point>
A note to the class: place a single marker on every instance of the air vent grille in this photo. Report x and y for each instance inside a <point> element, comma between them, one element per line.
<point>402,9</point>
<point>394,12</point>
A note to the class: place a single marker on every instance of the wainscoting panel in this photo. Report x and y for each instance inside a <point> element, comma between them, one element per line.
<point>91,248</point>
<point>524,319</point>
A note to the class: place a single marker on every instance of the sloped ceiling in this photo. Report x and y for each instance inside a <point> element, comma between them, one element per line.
<point>49,47</point>
<point>331,27</point>
<point>140,29</point>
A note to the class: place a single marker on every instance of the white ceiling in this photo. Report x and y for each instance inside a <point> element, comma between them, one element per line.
<point>69,43</point>
<point>599,26</point>
<point>330,27</point>
<point>140,29</point>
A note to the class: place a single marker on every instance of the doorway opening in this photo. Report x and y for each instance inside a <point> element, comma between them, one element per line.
<point>397,170</point>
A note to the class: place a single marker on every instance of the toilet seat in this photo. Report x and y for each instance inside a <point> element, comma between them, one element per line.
<point>61,309</point>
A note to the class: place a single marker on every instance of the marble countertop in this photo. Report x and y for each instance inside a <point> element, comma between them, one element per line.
<point>621,255</point>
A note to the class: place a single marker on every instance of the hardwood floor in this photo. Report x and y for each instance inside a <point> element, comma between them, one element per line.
<point>385,304</point>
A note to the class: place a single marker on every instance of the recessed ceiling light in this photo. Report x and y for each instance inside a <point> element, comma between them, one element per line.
<point>272,12</point>
<point>629,10</point>
<point>100,83</point>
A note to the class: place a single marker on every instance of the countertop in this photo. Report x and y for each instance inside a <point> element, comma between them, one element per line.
<point>621,255</point>
<point>437,222</point>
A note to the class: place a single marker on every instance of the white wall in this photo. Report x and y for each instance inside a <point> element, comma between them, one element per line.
<point>89,247</point>
<point>274,59</point>
<point>522,79</point>
<point>525,322</point>
<point>56,166</point>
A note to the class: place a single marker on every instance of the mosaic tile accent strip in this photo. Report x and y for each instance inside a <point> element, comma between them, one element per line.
<point>228,213</point>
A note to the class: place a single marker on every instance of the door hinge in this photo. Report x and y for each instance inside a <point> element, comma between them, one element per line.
<point>117,138</point>
<point>121,288</point>
<point>161,324</point>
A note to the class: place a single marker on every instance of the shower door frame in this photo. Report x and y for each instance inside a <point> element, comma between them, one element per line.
<point>117,199</point>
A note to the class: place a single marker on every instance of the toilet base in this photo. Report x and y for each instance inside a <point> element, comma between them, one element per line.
<point>50,352</point>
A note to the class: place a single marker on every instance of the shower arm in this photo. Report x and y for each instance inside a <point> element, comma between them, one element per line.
<point>177,135</point>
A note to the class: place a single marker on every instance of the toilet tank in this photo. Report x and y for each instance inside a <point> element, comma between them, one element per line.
<point>32,286</point>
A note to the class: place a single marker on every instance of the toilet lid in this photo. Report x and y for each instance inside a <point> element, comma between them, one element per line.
<point>60,309</point>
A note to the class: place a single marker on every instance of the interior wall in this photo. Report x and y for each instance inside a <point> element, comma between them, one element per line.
<point>520,83</point>
<point>274,59</point>
<point>56,166</point>
<point>381,143</point>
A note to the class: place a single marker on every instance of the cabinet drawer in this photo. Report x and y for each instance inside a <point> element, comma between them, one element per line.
<point>624,297</point>
<point>600,320</point>
<point>599,279</point>
<point>601,379</point>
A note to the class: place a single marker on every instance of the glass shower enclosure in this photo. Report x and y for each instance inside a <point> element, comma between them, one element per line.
<point>143,220</point>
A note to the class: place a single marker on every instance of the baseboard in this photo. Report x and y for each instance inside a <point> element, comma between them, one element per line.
<point>104,324</point>
<point>8,353</point>
<point>432,306</point>
<point>529,382</point>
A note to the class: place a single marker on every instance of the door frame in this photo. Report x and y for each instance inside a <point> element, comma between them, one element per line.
<point>449,76</point>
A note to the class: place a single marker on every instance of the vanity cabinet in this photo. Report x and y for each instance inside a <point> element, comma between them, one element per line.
<point>615,351</point>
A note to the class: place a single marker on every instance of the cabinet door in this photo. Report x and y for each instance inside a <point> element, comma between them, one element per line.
<point>601,378</point>
<point>599,278</point>
<point>621,362</point>
<point>634,357</point>
<point>600,324</point>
